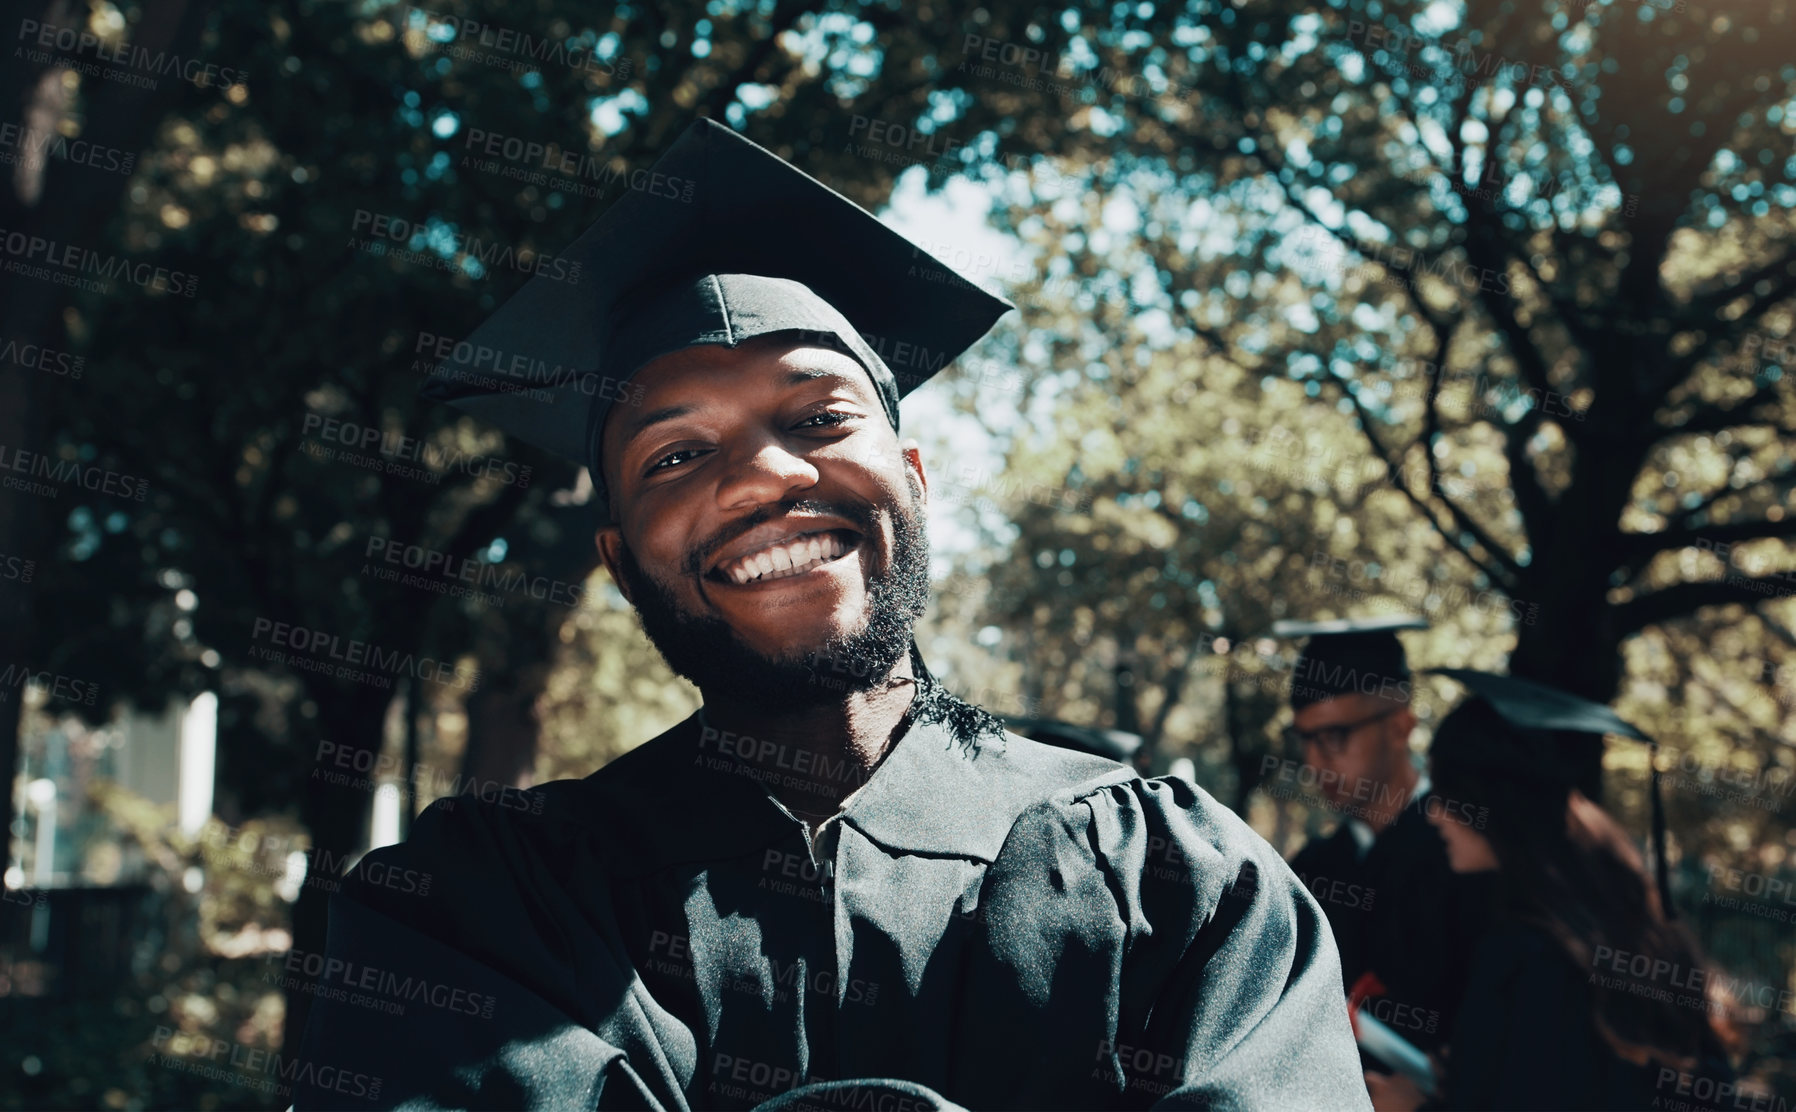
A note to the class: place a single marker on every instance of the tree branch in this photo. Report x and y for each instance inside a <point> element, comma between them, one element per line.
<point>1686,598</point>
<point>1507,570</point>
<point>1732,532</point>
<point>1714,418</point>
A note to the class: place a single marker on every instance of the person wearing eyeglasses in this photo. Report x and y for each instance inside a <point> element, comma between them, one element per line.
<point>1398,912</point>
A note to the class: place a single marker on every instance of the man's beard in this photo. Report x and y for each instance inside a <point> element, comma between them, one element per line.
<point>708,652</point>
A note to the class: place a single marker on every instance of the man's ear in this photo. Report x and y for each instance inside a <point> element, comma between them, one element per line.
<point>610,540</point>
<point>1403,724</point>
<point>913,459</point>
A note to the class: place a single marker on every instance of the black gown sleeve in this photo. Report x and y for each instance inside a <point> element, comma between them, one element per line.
<point>513,989</point>
<point>1173,949</point>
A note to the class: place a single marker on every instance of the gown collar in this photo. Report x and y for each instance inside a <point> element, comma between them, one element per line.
<point>677,800</point>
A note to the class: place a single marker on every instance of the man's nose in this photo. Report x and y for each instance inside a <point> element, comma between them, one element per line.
<point>764,473</point>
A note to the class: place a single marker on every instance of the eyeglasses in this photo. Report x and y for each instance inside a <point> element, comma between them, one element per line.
<point>1333,739</point>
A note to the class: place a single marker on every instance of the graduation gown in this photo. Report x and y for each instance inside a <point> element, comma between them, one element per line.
<point>1403,915</point>
<point>1527,1039</point>
<point>1000,925</point>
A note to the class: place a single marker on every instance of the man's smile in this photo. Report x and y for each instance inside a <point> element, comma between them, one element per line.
<point>784,549</point>
<point>788,558</point>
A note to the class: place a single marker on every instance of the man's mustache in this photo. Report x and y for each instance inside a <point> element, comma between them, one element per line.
<point>861,514</point>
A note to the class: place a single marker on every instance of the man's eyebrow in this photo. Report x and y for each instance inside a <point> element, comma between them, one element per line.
<point>802,375</point>
<point>638,424</point>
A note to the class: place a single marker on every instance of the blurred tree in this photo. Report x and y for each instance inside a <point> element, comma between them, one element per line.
<point>51,196</point>
<point>1556,231</point>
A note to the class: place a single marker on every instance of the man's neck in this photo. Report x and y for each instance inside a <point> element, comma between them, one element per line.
<point>814,757</point>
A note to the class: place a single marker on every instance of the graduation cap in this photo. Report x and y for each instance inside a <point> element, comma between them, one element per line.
<point>1541,715</point>
<point>1348,655</point>
<point>1118,745</point>
<point>719,242</point>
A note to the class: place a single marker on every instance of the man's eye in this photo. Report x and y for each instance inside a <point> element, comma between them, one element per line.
<point>672,459</point>
<point>826,419</point>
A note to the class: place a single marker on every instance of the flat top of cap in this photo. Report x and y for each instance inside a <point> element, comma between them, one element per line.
<point>1528,705</point>
<point>1331,627</point>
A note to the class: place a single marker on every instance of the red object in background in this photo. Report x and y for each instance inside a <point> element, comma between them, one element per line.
<point>1363,989</point>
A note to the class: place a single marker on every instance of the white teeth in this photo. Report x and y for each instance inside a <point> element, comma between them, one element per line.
<point>786,559</point>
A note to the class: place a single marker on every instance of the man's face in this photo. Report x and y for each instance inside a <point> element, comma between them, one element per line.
<point>1361,740</point>
<point>768,521</point>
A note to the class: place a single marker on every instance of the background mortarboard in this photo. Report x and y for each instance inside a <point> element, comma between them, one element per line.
<point>1118,745</point>
<point>550,363</point>
<point>1531,706</point>
<point>1343,654</point>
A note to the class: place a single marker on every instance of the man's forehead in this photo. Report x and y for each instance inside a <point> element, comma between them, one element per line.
<point>1340,708</point>
<point>711,376</point>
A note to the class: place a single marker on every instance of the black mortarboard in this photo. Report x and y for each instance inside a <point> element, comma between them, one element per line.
<point>1533,752</point>
<point>1348,655</point>
<point>1118,745</point>
<point>721,241</point>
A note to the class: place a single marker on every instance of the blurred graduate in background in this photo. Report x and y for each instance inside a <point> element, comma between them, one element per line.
<point>1555,1014</point>
<point>1405,924</point>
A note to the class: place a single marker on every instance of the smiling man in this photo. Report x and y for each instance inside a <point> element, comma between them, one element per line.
<point>836,885</point>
